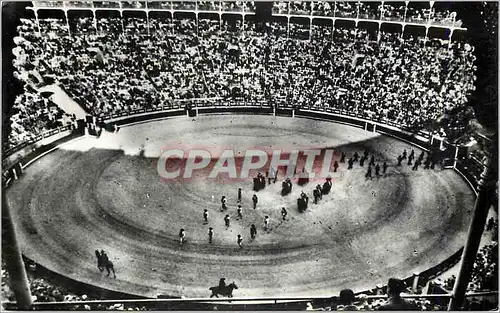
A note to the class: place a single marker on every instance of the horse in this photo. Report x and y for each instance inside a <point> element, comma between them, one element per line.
<point>223,291</point>
<point>104,263</point>
<point>110,268</point>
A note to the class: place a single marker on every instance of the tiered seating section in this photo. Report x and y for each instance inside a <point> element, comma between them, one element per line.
<point>117,67</point>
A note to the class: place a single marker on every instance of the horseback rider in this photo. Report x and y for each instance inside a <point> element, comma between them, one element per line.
<point>223,289</point>
<point>99,262</point>
<point>303,195</point>
<point>104,257</point>
<point>103,262</point>
<point>222,283</point>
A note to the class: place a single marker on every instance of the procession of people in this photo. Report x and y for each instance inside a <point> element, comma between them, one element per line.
<point>376,169</point>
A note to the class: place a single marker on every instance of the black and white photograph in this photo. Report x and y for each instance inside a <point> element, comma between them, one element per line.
<point>249,155</point>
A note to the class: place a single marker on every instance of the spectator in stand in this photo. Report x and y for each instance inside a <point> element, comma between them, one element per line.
<point>394,301</point>
<point>346,301</point>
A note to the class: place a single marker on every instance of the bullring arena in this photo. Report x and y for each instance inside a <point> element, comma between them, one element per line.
<point>105,193</point>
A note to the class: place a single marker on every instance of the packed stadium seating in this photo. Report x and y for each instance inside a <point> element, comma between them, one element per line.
<point>32,114</point>
<point>120,67</point>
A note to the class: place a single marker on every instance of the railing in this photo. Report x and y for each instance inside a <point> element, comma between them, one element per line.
<point>470,174</point>
<point>358,12</point>
<point>202,105</point>
<point>254,301</point>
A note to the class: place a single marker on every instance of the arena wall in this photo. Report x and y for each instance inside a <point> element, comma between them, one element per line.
<point>19,152</point>
<point>27,152</point>
<point>421,140</point>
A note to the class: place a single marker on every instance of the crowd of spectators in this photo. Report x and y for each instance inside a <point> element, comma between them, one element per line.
<point>112,65</point>
<point>484,272</point>
<point>32,115</point>
<point>484,276</point>
<point>49,290</point>
<point>395,288</point>
<point>392,11</point>
<point>32,112</point>
<point>182,61</point>
<point>348,301</point>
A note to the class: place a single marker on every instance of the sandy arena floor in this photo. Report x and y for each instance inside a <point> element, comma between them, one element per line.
<point>106,194</point>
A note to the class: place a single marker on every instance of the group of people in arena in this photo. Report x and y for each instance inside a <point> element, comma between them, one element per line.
<point>415,162</point>
<point>318,191</point>
<point>227,220</point>
<point>405,81</point>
